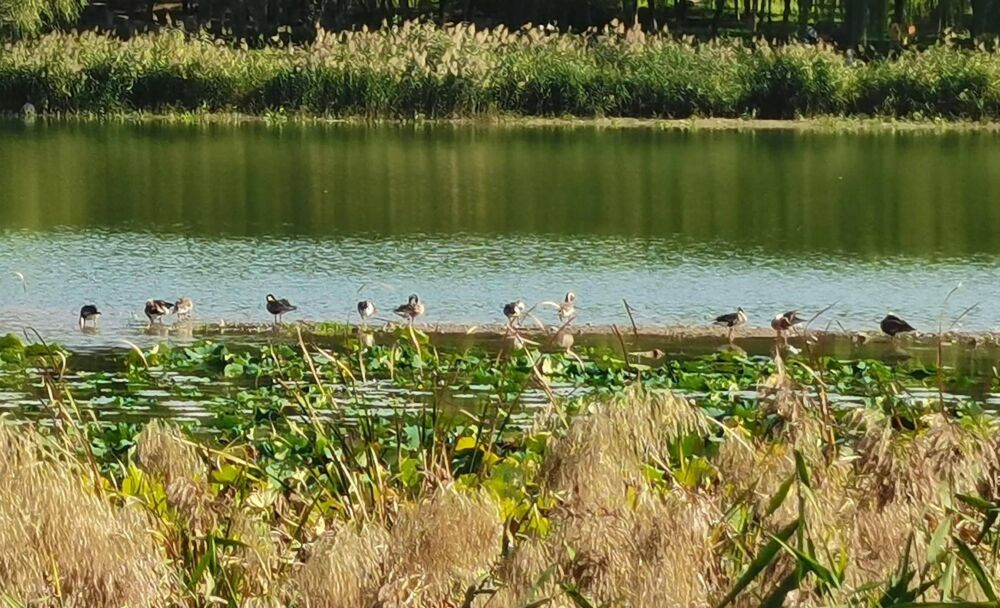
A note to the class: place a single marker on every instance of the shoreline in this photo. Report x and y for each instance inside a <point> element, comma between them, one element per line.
<point>667,333</point>
<point>820,124</point>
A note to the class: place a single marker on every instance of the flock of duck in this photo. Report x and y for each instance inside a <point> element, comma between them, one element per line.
<point>515,312</point>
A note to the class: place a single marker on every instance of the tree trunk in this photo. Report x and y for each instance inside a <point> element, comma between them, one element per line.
<point>943,15</point>
<point>206,11</point>
<point>720,7</point>
<point>877,16</point>
<point>805,10</point>
<point>855,18</point>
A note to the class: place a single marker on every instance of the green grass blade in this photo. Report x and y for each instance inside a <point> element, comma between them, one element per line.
<point>579,600</point>
<point>939,541</point>
<point>779,496</point>
<point>759,563</point>
<point>802,469</point>
<point>973,564</point>
<point>777,597</point>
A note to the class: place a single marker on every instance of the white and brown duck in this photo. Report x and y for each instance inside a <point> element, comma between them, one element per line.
<point>567,310</point>
<point>366,310</point>
<point>157,309</point>
<point>412,309</point>
<point>278,307</point>
<point>183,308</point>
<point>785,321</point>
<point>731,321</point>
<point>514,311</point>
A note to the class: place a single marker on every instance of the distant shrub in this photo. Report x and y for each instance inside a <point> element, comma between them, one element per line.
<point>422,70</point>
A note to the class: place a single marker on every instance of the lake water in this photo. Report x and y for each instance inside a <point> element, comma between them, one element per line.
<point>684,225</point>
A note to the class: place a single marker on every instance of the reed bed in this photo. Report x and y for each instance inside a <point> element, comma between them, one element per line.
<point>419,70</point>
<point>633,497</point>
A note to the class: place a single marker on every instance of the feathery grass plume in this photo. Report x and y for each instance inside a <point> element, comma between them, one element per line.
<point>601,453</point>
<point>661,552</point>
<point>62,545</point>
<point>345,569</point>
<point>673,559</point>
<point>613,537</point>
<point>529,573</point>
<point>440,547</point>
<point>753,471</point>
<point>919,466</point>
<point>878,537</point>
<point>164,453</point>
<point>257,559</point>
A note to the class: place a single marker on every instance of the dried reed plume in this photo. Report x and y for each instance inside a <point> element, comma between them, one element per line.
<point>613,537</point>
<point>601,454</point>
<point>60,544</point>
<point>165,454</point>
<point>441,547</point>
<point>346,568</point>
<point>434,552</point>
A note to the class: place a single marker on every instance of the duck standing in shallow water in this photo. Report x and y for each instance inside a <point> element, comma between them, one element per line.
<point>785,321</point>
<point>514,311</point>
<point>278,307</point>
<point>567,310</point>
<point>157,309</point>
<point>892,326</point>
<point>89,314</point>
<point>411,310</point>
<point>366,310</point>
<point>183,308</point>
<point>732,321</point>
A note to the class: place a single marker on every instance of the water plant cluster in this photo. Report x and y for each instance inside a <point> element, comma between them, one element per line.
<point>625,495</point>
<point>421,70</point>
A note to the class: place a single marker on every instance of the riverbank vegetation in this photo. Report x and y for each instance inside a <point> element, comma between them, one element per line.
<point>760,488</point>
<point>425,71</point>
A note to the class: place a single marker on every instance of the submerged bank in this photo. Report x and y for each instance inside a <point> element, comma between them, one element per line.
<point>420,70</point>
<point>823,124</point>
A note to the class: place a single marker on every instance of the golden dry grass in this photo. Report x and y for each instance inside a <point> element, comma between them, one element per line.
<point>63,545</point>
<point>613,536</point>
<point>626,525</point>
<point>434,552</point>
<point>345,569</point>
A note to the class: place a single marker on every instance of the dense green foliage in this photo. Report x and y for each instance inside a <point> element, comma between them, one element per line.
<point>424,71</point>
<point>28,17</point>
